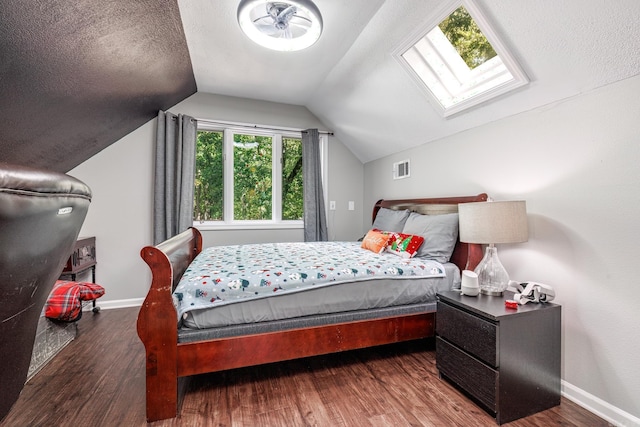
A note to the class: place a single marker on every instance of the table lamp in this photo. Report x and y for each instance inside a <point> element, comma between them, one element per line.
<point>491,223</point>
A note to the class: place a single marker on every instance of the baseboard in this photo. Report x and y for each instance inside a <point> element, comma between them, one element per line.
<point>606,411</point>
<point>121,303</point>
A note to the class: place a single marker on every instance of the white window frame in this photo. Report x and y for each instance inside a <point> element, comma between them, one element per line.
<point>449,83</point>
<point>276,222</point>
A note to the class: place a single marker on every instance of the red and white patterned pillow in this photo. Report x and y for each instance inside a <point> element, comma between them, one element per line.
<point>404,245</point>
<point>65,300</point>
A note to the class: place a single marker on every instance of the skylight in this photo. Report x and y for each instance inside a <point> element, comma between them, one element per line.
<point>459,60</point>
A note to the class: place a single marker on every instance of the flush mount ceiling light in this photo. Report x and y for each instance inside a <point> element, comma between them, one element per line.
<point>285,26</point>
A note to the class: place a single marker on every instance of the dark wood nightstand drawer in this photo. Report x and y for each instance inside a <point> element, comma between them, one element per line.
<point>475,377</point>
<point>468,332</point>
<point>507,359</point>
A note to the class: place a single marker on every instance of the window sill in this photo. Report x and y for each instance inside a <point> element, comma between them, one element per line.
<point>248,225</point>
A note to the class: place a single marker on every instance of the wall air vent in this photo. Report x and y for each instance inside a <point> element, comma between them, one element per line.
<point>401,169</point>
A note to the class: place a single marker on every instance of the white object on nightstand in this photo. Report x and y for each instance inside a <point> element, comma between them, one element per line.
<point>469,285</point>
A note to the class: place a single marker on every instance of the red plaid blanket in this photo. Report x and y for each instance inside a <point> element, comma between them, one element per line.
<point>65,300</point>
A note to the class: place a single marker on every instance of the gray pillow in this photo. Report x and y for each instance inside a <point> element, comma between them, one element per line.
<point>390,220</point>
<point>440,234</point>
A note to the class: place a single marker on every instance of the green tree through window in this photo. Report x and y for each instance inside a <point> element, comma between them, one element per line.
<point>252,180</point>
<point>209,177</point>
<point>292,196</point>
<point>464,34</point>
<point>253,177</point>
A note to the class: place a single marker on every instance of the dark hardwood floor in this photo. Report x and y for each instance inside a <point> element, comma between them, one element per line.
<point>98,380</point>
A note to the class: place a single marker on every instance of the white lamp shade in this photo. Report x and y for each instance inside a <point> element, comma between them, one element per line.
<point>493,222</point>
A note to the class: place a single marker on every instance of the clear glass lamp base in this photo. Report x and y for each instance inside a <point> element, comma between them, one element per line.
<point>492,276</point>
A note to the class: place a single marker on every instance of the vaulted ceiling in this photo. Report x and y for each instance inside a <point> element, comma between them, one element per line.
<point>77,76</point>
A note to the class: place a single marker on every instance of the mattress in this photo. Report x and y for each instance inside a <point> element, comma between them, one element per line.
<point>351,297</point>
<point>186,335</point>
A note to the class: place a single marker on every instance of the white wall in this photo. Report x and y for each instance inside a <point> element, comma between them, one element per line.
<point>346,184</point>
<point>120,215</point>
<point>575,162</point>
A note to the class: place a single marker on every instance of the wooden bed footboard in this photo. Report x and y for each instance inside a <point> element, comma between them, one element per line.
<point>158,320</point>
<point>167,359</point>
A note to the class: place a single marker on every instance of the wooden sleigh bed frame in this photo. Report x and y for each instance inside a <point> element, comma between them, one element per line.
<point>167,359</point>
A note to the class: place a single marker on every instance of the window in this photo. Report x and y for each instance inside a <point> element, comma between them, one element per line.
<point>252,177</point>
<point>209,191</point>
<point>248,179</point>
<point>459,60</point>
<point>292,179</point>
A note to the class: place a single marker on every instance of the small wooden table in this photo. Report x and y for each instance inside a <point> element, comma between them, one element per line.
<point>82,259</point>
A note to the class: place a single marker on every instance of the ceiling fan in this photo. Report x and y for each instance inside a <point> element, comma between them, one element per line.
<point>281,25</point>
<point>282,20</point>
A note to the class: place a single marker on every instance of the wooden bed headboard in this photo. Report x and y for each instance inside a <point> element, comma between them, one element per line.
<point>465,255</point>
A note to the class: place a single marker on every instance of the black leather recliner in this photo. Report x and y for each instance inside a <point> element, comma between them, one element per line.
<point>40,217</point>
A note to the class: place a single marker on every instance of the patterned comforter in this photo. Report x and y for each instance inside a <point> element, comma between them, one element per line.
<point>230,274</point>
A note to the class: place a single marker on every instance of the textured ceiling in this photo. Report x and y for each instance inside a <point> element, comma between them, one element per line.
<point>226,62</point>
<point>350,80</point>
<point>77,76</point>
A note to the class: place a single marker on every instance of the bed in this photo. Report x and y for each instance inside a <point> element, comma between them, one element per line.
<point>176,349</point>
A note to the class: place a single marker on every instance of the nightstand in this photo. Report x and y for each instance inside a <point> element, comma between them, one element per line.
<point>507,360</point>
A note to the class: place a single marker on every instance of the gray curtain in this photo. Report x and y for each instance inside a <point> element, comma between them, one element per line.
<point>174,175</point>
<point>315,221</point>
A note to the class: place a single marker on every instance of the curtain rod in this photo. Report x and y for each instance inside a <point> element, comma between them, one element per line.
<point>249,126</point>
